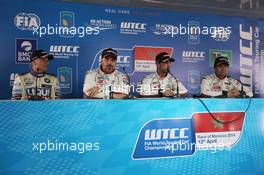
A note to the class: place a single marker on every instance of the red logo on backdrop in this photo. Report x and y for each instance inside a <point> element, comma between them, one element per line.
<point>149,53</point>
<point>222,130</point>
<point>204,122</point>
<point>145,57</point>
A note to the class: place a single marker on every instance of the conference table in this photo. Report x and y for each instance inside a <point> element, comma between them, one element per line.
<point>139,136</point>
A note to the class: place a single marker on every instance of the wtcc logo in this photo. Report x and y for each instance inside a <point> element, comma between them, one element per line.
<point>193,54</point>
<point>66,49</point>
<point>158,137</point>
<point>24,49</point>
<point>123,59</point>
<point>167,133</point>
<point>132,28</point>
<point>172,137</point>
<point>132,25</point>
<point>60,51</point>
<point>27,21</point>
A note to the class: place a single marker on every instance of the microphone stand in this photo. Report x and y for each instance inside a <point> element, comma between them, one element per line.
<point>130,96</point>
<point>242,92</point>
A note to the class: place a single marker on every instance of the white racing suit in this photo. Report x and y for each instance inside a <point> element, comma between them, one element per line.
<point>153,85</point>
<point>28,85</point>
<point>115,82</point>
<point>214,87</point>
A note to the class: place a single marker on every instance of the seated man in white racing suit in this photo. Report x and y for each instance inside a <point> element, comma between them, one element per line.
<point>162,83</point>
<point>106,82</point>
<point>37,84</point>
<point>220,85</point>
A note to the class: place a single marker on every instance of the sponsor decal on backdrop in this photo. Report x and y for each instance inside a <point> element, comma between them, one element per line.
<point>103,24</point>
<point>193,56</point>
<point>166,138</point>
<point>62,51</point>
<point>246,55</point>
<point>64,75</point>
<point>27,21</point>
<point>124,60</point>
<point>132,28</point>
<point>194,81</point>
<point>24,49</point>
<point>145,57</point>
<point>217,53</point>
<point>163,29</point>
<point>259,63</point>
<point>194,35</point>
<point>220,35</point>
<point>67,19</point>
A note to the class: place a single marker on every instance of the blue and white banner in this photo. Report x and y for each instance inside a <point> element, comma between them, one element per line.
<point>170,137</point>
<point>76,34</point>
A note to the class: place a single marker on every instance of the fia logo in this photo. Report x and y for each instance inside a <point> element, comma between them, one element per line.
<point>26,21</point>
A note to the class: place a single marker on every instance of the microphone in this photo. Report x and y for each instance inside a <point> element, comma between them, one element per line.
<point>242,92</point>
<point>177,89</point>
<point>128,78</point>
<point>107,88</point>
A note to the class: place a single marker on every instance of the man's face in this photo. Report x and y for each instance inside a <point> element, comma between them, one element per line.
<point>163,67</point>
<point>40,65</point>
<point>221,70</point>
<point>108,64</point>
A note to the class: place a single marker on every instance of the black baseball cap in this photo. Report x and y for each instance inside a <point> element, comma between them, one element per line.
<point>40,54</point>
<point>221,60</point>
<point>109,52</point>
<point>161,57</point>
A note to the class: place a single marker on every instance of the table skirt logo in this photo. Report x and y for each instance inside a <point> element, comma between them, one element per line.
<point>161,138</point>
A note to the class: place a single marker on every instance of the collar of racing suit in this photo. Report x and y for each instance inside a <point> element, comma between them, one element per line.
<point>100,72</point>
<point>37,74</point>
<point>220,78</point>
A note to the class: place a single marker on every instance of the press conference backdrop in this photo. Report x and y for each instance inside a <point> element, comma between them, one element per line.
<point>137,34</point>
<point>83,139</point>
